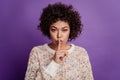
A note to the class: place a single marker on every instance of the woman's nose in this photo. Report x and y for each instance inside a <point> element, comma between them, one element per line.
<point>59,34</point>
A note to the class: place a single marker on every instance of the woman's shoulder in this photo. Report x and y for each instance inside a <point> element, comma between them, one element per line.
<point>81,51</point>
<point>79,48</point>
<point>39,47</point>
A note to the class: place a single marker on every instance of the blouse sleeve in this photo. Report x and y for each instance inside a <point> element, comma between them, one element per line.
<point>33,66</point>
<point>87,69</point>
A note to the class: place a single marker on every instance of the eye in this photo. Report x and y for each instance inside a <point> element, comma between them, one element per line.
<point>53,30</point>
<point>64,30</point>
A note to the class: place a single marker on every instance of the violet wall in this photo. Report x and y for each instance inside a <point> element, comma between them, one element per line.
<point>18,34</point>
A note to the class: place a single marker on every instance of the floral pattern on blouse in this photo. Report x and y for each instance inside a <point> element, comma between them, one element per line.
<point>75,67</point>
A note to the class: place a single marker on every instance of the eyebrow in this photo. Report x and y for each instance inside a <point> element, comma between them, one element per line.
<point>62,27</point>
<point>53,26</point>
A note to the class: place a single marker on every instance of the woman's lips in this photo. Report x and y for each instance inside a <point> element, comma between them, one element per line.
<point>59,41</point>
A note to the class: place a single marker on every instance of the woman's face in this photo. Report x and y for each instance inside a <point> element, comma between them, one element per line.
<point>59,30</point>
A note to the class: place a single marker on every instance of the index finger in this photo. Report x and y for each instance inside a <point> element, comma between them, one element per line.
<point>59,45</point>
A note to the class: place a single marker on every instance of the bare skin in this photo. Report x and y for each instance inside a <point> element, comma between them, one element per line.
<point>60,54</point>
<point>59,33</point>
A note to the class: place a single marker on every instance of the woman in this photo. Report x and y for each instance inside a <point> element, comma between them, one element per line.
<point>59,60</point>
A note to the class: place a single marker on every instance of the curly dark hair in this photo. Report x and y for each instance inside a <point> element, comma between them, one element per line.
<point>58,11</point>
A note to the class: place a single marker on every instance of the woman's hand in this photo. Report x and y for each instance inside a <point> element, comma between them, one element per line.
<point>60,55</point>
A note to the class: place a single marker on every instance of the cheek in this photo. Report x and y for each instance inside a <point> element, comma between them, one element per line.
<point>66,36</point>
<point>52,35</point>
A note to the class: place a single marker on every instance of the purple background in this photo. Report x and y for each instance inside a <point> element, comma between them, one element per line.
<point>18,34</point>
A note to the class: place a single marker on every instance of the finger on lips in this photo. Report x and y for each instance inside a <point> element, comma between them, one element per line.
<point>59,44</point>
<point>61,54</point>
